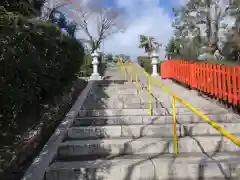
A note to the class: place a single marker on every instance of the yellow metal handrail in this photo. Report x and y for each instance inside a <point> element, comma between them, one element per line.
<point>138,70</point>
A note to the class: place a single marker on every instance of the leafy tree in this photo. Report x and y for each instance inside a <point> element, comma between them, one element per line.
<point>145,63</point>
<point>71,28</point>
<point>231,49</point>
<point>180,47</point>
<point>172,49</point>
<point>234,10</point>
<point>24,7</point>
<point>50,7</point>
<point>109,58</point>
<point>204,14</point>
<point>34,63</point>
<point>148,43</point>
<point>60,19</point>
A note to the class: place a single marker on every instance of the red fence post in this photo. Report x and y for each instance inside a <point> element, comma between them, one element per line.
<point>193,78</point>
<point>219,82</point>
<point>204,77</point>
<point>222,82</point>
<point>238,84</point>
<point>207,78</point>
<point>234,86</point>
<point>215,90</point>
<point>211,78</point>
<point>229,85</point>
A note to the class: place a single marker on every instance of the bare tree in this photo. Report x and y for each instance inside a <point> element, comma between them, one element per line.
<point>96,22</point>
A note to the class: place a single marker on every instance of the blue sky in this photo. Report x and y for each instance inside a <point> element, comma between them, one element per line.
<point>142,17</point>
<point>148,17</point>
<point>167,5</point>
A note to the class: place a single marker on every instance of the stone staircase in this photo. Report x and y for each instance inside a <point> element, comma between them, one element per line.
<point>113,138</point>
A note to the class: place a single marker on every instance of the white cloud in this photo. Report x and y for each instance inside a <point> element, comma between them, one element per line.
<point>145,17</point>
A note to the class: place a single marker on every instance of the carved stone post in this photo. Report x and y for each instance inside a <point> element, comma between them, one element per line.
<point>95,74</point>
<point>154,64</point>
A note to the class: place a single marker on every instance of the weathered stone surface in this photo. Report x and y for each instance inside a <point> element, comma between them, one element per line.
<point>160,168</point>
<point>144,112</point>
<point>114,120</point>
<point>118,131</point>
<point>148,130</point>
<point>37,170</point>
<point>159,120</point>
<point>113,125</point>
<point>141,146</point>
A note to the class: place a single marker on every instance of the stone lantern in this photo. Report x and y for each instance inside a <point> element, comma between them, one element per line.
<point>154,64</point>
<point>95,74</point>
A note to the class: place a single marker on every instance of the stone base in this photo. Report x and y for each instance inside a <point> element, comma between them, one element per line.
<point>154,74</point>
<point>95,77</point>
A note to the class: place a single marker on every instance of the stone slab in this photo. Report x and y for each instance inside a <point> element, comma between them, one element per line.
<point>158,168</point>
<point>37,169</point>
<point>138,120</point>
<point>135,131</point>
<point>120,131</point>
<point>144,112</point>
<point>141,146</point>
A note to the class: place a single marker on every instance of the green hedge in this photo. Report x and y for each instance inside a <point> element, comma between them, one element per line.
<point>36,61</point>
<point>145,63</point>
<point>86,68</point>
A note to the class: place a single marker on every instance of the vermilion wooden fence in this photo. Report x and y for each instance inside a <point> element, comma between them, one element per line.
<point>220,81</point>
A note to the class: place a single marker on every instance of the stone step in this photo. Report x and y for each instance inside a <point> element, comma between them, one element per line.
<point>120,105</point>
<point>121,91</point>
<point>144,112</point>
<point>138,120</point>
<point>119,131</point>
<point>135,131</point>
<point>116,97</point>
<point>117,104</point>
<point>156,168</point>
<point>97,95</point>
<point>113,83</point>
<point>141,146</point>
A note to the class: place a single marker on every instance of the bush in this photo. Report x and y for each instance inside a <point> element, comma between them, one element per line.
<point>86,68</point>
<point>36,61</point>
<point>145,63</point>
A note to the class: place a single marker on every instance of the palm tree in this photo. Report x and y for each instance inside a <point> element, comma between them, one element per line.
<point>149,44</point>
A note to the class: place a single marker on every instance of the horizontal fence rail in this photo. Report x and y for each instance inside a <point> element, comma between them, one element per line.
<point>179,72</point>
<point>217,80</point>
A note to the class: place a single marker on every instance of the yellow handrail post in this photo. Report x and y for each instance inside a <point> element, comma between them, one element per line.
<point>174,117</point>
<point>125,75</point>
<point>120,65</point>
<point>130,72</point>
<point>150,97</point>
<point>175,98</point>
<point>124,71</point>
<point>137,86</point>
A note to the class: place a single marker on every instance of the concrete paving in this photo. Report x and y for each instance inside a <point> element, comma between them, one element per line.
<point>111,137</point>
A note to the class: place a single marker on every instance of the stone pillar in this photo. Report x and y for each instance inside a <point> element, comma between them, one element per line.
<point>154,64</point>
<point>95,74</point>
